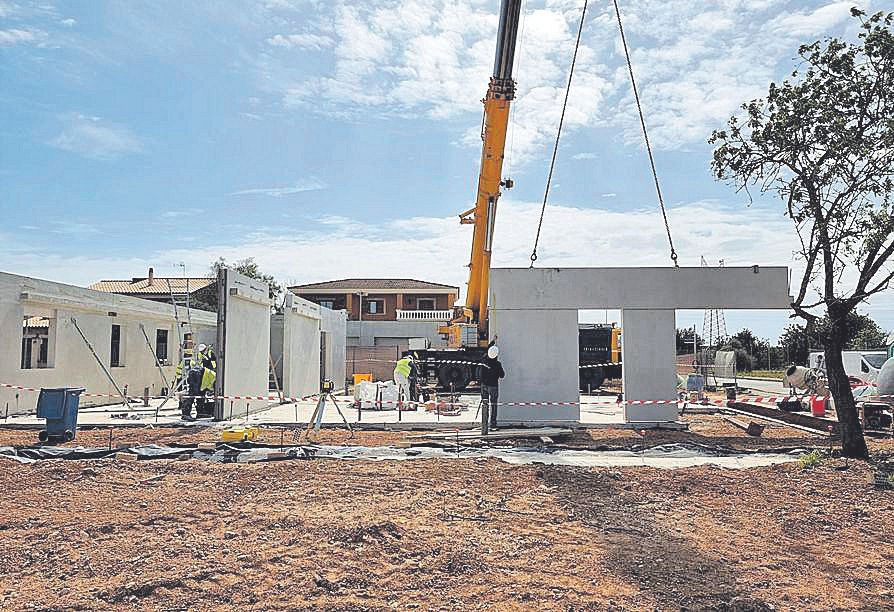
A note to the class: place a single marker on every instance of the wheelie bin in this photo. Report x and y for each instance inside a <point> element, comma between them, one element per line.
<point>60,408</point>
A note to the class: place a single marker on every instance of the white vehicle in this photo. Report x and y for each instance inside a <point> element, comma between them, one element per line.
<point>864,365</point>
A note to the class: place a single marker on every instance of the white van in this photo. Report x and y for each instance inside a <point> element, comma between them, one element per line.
<point>864,365</point>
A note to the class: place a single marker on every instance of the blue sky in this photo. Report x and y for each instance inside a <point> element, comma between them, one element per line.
<point>336,139</point>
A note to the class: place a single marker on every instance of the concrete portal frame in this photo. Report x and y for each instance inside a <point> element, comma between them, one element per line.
<point>534,314</point>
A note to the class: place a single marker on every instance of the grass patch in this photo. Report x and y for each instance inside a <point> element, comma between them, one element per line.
<point>811,460</point>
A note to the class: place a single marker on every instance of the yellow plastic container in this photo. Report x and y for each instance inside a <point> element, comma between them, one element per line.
<point>358,378</point>
<point>239,434</point>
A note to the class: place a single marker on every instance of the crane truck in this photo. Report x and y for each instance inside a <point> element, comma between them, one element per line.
<point>454,367</point>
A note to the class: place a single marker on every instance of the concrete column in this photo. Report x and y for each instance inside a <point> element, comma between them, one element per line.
<point>539,351</point>
<point>648,349</point>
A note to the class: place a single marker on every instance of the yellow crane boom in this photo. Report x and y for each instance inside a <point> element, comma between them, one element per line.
<point>500,94</point>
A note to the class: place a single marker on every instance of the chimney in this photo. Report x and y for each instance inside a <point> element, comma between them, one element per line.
<point>151,276</point>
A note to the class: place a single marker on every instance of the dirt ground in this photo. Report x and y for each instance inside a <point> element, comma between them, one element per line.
<point>438,534</point>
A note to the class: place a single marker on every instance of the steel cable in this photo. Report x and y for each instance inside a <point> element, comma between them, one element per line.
<point>642,120</point>
<point>552,163</point>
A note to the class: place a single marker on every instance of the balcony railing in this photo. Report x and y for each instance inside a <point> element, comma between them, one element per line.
<point>424,315</point>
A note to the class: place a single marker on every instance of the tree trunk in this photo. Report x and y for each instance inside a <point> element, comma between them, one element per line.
<point>852,442</point>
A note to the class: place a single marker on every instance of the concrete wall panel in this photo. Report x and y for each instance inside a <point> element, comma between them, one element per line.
<point>301,348</point>
<point>649,356</point>
<point>334,324</point>
<point>538,349</point>
<point>246,368</point>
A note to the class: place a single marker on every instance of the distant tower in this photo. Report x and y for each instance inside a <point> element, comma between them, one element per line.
<point>714,325</point>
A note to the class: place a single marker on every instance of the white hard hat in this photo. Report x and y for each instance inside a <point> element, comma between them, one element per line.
<point>202,347</point>
<point>493,352</point>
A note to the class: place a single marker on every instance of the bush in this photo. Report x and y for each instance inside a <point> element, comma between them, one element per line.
<point>811,460</point>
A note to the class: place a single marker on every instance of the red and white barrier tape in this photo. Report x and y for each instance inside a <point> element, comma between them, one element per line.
<point>275,397</point>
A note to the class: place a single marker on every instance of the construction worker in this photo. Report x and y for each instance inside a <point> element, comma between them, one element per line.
<point>489,374</point>
<point>205,358</point>
<point>200,376</point>
<point>193,389</point>
<point>405,368</point>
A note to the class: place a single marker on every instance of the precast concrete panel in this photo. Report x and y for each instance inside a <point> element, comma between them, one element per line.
<point>538,350</point>
<point>246,342</point>
<point>677,288</point>
<point>649,357</point>
<point>534,314</point>
<point>301,347</point>
<point>334,323</point>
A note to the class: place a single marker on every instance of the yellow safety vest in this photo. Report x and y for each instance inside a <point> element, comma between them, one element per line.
<point>403,367</point>
<point>208,378</point>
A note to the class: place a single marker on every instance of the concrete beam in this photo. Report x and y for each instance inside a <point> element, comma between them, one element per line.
<point>675,288</point>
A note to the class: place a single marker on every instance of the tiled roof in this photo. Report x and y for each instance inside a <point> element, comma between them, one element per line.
<point>159,285</point>
<point>373,284</point>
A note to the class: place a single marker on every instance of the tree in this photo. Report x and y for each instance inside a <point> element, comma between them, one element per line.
<point>823,142</point>
<point>861,333</point>
<point>796,343</point>
<point>744,361</point>
<point>684,341</point>
<point>248,267</point>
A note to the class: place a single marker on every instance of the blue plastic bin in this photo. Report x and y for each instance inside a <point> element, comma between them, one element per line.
<point>60,408</point>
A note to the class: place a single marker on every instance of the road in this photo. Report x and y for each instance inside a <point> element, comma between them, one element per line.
<point>776,387</point>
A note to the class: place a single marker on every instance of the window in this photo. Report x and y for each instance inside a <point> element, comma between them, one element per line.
<point>327,304</point>
<point>876,360</point>
<point>425,304</point>
<point>115,360</point>
<point>38,334</point>
<point>161,345</point>
<point>375,306</point>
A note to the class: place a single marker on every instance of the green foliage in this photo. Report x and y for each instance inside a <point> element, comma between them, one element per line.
<point>822,140</point>
<point>207,300</point>
<point>861,333</point>
<point>684,341</point>
<point>811,460</point>
<point>249,268</point>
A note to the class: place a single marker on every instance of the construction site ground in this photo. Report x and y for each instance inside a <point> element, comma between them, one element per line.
<point>318,534</point>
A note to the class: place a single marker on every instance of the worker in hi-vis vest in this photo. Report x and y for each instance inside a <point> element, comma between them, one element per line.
<point>403,372</point>
<point>199,381</point>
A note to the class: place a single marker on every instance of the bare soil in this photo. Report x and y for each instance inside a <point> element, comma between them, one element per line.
<point>442,534</point>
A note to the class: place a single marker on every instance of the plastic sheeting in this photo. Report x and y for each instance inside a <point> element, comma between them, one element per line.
<point>667,456</point>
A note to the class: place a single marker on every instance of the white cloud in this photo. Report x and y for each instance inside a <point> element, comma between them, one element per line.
<point>301,41</point>
<point>72,228</point>
<point>15,36</point>
<point>278,192</point>
<point>695,64</point>
<point>95,138</point>
<point>182,212</point>
<point>584,156</point>
<point>812,23</point>
<point>609,195</point>
<point>69,23</point>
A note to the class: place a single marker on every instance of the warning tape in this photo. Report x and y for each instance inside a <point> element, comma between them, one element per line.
<point>270,397</point>
<point>768,399</point>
